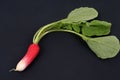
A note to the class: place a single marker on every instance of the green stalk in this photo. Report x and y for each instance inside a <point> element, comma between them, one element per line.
<point>60,30</point>
<point>41,31</point>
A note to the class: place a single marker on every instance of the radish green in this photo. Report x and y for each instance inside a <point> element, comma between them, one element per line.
<point>94,32</point>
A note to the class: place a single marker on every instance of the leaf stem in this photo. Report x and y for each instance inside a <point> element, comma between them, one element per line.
<point>62,30</point>
<point>41,31</point>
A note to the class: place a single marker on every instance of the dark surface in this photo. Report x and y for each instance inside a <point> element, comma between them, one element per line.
<point>63,56</point>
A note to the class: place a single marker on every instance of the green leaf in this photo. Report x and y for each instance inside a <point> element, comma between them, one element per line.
<point>98,23</point>
<point>81,14</point>
<point>76,27</point>
<point>68,27</point>
<point>96,28</point>
<point>104,47</point>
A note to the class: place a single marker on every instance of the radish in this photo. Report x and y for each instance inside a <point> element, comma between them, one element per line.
<point>79,22</point>
<point>32,52</point>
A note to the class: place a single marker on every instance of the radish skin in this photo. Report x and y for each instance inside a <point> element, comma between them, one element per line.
<point>32,52</point>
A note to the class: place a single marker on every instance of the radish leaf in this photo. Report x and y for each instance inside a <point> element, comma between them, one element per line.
<point>81,14</point>
<point>104,47</point>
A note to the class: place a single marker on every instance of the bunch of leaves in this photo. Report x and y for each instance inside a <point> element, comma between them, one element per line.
<point>93,32</point>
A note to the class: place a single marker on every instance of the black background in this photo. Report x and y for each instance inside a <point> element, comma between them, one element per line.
<point>63,56</point>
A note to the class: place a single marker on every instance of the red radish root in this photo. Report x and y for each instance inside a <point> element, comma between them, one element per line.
<point>32,52</point>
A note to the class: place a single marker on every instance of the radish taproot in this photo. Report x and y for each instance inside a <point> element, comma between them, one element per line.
<point>32,52</point>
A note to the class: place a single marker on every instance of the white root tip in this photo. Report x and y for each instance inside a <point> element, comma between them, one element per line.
<point>21,66</point>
